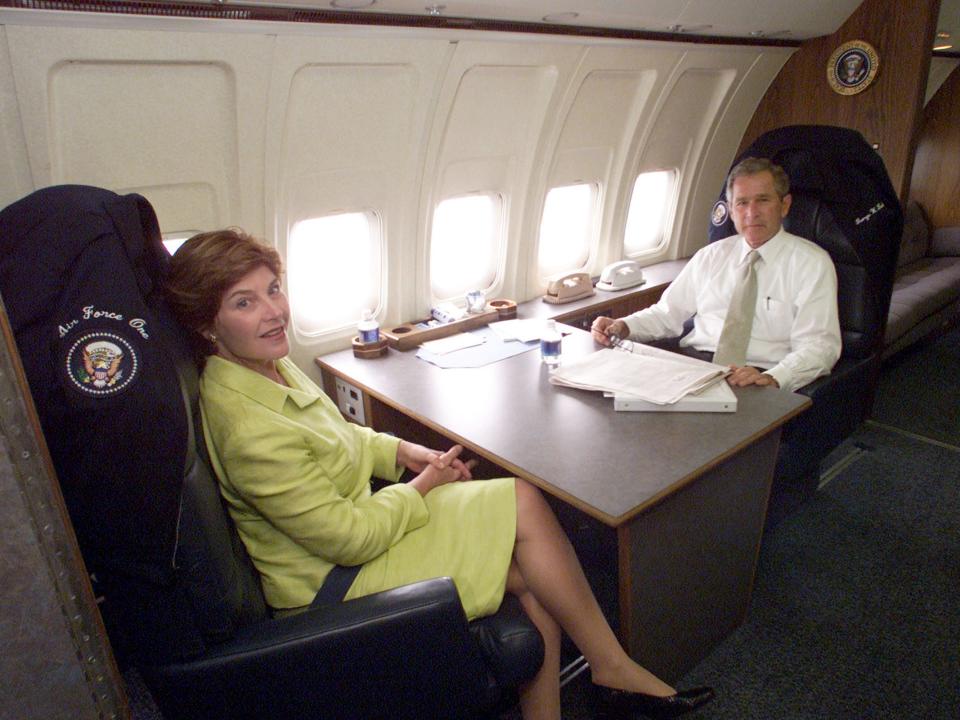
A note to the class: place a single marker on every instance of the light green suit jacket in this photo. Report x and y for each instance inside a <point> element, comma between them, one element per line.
<point>296,478</point>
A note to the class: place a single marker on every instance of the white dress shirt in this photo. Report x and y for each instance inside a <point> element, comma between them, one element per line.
<point>796,331</point>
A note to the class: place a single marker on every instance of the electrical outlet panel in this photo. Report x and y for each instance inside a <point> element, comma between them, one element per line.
<point>350,401</point>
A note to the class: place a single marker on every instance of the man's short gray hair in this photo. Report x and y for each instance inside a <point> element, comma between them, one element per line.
<point>753,166</point>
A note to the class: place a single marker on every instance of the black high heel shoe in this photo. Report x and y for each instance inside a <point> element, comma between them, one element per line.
<point>612,704</point>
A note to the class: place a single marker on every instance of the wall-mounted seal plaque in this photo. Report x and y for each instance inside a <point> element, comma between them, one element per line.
<point>852,67</point>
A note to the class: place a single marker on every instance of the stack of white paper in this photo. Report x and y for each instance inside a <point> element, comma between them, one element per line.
<point>717,397</point>
<point>524,330</point>
<point>651,374</point>
<point>453,343</point>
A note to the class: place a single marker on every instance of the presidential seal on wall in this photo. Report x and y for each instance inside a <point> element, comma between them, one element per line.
<point>852,67</point>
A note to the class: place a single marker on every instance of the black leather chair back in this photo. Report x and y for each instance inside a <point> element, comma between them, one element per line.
<point>217,573</point>
<point>80,272</point>
<point>843,201</point>
<point>858,304</point>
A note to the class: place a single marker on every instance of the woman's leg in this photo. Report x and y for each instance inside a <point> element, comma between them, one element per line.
<point>540,698</point>
<point>552,574</point>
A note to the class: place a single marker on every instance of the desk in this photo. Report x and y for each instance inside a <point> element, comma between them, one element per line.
<point>684,494</point>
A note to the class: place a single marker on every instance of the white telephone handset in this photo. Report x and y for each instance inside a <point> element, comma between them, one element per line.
<point>620,276</point>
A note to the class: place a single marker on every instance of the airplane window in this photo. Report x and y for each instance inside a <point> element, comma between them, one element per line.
<point>173,241</point>
<point>333,270</point>
<point>465,246</point>
<point>565,228</point>
<point>647,215</point>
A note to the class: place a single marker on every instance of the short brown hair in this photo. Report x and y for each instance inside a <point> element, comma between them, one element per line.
<point>755,165</point>
<point>205,267</point>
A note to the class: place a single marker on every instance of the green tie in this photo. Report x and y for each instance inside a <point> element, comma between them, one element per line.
<point>735,336</point>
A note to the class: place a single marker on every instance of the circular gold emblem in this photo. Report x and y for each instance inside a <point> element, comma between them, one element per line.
<point>852,67</point>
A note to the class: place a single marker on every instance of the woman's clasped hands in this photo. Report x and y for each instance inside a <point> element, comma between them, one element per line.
<point>434,468</point>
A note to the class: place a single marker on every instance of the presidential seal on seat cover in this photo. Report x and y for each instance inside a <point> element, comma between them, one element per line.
<point>101,363</point>
<point>719,214</point>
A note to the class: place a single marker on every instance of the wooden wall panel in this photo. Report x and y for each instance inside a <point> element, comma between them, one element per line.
<point>886,113</point>
<point>936,170</point>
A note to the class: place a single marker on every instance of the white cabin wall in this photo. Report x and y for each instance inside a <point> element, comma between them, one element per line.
<point>261,125</point>
<point>732,83</point>
<point>179,118</point>
<point>606,105</point>
<point>14,167</point>
<point>348,123</point>
<point>497,109</point>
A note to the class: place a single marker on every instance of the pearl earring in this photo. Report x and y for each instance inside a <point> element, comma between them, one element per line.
<point>213,338</point>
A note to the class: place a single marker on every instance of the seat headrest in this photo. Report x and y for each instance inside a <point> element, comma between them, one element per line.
<point>80,269</point>
<point>843,200</point>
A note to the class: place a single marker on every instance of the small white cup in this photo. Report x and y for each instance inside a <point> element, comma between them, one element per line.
<point>476,301</point>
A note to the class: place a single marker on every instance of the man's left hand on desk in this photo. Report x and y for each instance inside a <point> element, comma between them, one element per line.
<point>746,375</point>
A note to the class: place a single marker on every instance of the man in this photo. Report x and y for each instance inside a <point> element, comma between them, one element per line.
<point>795,332</point>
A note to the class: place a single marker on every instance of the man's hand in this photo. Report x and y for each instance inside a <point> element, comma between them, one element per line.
<point>747,375</point>
<point>603,327</point>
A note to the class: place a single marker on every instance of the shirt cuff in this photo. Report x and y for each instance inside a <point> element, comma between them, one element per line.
<point>634,328</point>
<point>781,375</point>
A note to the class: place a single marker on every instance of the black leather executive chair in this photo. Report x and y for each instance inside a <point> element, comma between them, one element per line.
<point>116,392</point>
<point>843,200</point>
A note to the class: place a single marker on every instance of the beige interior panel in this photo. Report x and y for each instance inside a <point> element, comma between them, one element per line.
<point>14,168</point>
<point>343,121</point>
<point>347,123</point>
<point>496,116</point>
<point>754,71</point>
<point>122,126</point>
<point>601,115</point>
<point>176,117</point>
<point>229,124</point>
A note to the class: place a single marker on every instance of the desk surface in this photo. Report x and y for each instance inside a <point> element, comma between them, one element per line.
<point>612,465</point>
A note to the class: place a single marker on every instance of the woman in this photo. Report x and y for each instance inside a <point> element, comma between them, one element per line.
<point>296,477</point>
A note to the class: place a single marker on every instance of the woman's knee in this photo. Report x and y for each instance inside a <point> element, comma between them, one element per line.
<point>528,496</point>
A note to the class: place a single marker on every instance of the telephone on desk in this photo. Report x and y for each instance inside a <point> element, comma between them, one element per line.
<point>620,276</point>
<point>568,288</point>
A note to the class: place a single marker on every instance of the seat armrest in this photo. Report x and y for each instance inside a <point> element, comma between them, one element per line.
<point>405,652</point>
<point>511,645</point>
<point>845,377</point>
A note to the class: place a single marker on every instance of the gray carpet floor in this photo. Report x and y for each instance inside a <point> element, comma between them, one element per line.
<point>920,390</point>
<point>855,612</point>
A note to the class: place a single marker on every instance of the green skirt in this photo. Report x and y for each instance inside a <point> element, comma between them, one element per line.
<point>469,537</point>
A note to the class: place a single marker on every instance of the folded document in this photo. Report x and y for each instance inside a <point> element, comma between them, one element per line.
<point>641,372</point>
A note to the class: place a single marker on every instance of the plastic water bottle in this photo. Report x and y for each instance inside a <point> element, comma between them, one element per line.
<point>550,341</point>
<point>368,328</point>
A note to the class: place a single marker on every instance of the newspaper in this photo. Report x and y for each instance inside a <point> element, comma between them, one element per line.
<point>644,372</point>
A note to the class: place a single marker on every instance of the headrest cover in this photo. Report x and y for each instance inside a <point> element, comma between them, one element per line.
<point>80,269</point>
<point>833,168</point>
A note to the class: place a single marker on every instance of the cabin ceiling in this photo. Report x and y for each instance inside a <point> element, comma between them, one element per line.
<point>780,19</point>
<point>792,20</point>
